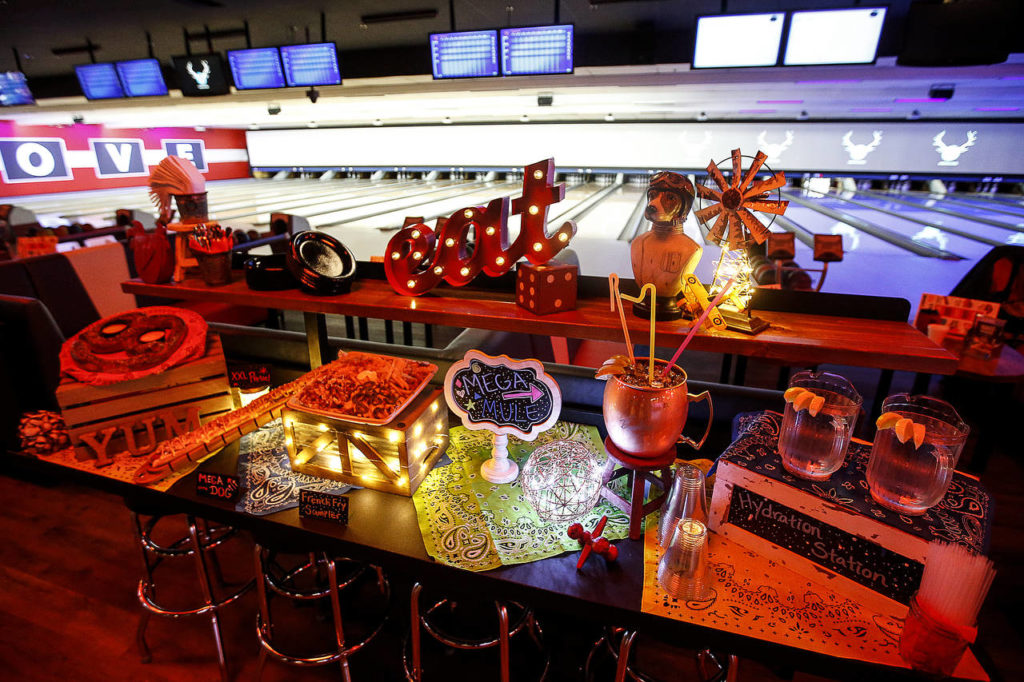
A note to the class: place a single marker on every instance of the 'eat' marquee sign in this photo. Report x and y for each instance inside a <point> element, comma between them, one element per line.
<point>418,258</point>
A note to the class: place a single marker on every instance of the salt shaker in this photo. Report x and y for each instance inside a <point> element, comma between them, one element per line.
<point>686,500</point>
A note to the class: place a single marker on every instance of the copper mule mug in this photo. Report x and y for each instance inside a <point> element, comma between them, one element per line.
<point>645,421</point>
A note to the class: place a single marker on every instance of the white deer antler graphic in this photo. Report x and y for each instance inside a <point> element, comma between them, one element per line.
<point>202,78</point>
<point>858,152</point>
<point>774,149</point>
<point>950,153</point>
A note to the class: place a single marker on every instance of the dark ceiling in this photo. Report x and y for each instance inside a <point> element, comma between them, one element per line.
<point>608,32</point>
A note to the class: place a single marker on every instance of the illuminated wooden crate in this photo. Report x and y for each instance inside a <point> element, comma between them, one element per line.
<point>393,457</point>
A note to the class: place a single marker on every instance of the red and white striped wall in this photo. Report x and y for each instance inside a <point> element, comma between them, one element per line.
<point>46,159</point>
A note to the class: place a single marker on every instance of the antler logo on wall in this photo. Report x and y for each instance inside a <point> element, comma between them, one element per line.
<point>201,77</point>
<point>950,153</point>
<point>418,258</point>
<point>858,152</point>
<point>774,149</point>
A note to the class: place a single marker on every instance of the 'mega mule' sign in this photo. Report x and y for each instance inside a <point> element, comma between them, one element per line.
<point>502,395</point>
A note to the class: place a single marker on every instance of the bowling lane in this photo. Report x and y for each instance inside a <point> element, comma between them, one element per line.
<point>430,210</point>
<point>406,199</point>
<point>974,215</point>
<point>871,266</point>
<point>308,203</point>
<point>988,235</point>
<point>956,201</point>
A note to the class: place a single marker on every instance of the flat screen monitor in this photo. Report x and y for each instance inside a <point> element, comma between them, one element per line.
<point>14,90</point>
<point>840,36</point>
<point>257,68</point>
<point>201,75</point>
<point>312,64</point>
<point>536,49</point>
<point>467,54</point>
<point>735,40</point>
<point>141,78</point>
<point>99,81</point>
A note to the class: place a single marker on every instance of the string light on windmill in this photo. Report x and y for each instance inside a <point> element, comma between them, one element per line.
<point>731,213</point>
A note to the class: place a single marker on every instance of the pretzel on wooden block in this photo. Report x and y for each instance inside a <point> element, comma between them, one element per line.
<point>187,449</point>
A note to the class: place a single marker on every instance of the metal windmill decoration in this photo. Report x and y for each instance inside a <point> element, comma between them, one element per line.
<point>728,216</point>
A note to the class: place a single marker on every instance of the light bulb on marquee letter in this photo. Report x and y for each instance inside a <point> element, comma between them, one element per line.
<point>419,257</point>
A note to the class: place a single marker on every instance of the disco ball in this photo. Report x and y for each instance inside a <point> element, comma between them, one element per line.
<point>562,481</point>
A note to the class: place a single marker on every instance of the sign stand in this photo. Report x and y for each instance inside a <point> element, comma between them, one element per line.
<point>503,396</point>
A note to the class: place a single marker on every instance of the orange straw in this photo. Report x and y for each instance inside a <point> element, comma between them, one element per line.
<point>613,292</point>
<point>695,327</point>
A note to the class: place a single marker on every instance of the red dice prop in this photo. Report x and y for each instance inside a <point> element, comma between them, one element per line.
<point>548,288</point>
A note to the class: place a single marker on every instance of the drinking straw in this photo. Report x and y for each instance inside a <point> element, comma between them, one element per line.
<point>696,326</point>
<point>954,585</point>
<point>616,301</point>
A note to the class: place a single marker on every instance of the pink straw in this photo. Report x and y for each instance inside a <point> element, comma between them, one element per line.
<point>695,327</point>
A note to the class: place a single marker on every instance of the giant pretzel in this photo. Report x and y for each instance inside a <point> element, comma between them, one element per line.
<point>133,344</point>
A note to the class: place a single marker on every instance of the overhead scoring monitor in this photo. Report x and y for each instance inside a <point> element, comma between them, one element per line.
<point>14,90</point>
<point>141,78</point>
<point>311,64</point>
<point>843,36</point>
<point>466,54</point>
<point>99,81</point>
<point>537,49</point>
<point>256,68</point>
<point>735,40</point>
<point>201,75</point>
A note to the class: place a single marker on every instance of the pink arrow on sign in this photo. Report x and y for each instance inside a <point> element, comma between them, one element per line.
<point>532,394</point>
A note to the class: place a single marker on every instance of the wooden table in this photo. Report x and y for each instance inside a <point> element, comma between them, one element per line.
<point>792,338</point>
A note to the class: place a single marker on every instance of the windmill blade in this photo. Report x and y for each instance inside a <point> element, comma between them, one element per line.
<point>736,235</point>
<point>767,206</point>
<point>755,166</point>
<point>768,184</point>
<point>737,167</point>
<point>707,213</point>
<point>708,193</point>
<point>718,229</point>
<point>717,176</point>
<point>756,228</point>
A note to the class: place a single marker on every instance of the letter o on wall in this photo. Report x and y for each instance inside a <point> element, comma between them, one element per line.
<point>45,165</point>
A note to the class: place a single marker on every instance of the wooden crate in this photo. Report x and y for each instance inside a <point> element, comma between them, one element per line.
<point>393,457</point>
<point>134,416</point>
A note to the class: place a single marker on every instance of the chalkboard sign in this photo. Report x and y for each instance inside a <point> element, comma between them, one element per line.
<point>218,486</point>
<point>869,564</point>
<point>502,395</point>
<point>248,377</point>
<point>314,504</point>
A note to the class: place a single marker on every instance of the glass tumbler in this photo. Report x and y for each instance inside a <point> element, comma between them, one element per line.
<point>904,477</point>
<point>814,446</point>
<point>686,500</point>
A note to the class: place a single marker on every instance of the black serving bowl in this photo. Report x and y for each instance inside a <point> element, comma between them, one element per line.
<point>320,263</point>
<point>268,273</point>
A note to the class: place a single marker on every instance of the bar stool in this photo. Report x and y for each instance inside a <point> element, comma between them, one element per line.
<point>314,577</point>
<point>200,543</point>
<point>619,644</point>
<point>508,626</point>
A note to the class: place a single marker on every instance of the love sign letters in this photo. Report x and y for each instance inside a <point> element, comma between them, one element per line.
<point>418,258</point>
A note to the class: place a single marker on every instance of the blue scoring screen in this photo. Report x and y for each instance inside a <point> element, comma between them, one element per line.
<point>14,90</point>
<point>99,81</point>
<point>256,68</point>
<point>468,54</point>
<point>313,64</point>
<point>141,78</point>
<point>536,49</point>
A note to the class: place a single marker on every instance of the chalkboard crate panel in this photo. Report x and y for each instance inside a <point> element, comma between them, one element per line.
<point>817,539</point>
<point>133,416</point>
<point>393,457</point>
